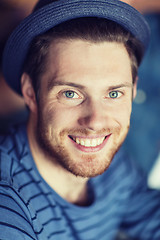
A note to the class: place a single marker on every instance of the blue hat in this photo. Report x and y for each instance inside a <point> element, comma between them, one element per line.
<point>49,13</point>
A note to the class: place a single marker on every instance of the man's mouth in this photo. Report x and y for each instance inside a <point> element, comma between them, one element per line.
<point>88,142</point>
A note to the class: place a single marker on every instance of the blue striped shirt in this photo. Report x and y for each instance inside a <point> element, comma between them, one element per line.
<point>31,209</point>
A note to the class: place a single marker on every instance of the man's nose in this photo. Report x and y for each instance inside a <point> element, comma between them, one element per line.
<point>93,116</point>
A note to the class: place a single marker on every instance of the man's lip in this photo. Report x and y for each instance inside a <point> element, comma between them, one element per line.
<point>89,143</point>
<point>88,137</point>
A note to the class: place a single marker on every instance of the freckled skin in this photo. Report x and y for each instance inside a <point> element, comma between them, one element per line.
<point>92,112</point>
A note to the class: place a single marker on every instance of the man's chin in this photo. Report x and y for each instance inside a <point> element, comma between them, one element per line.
<point>87,165</point>
<point>88,171</point>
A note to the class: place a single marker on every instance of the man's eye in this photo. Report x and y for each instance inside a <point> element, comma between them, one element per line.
<point>70,97</point>
<point>115,94</point>
<point>71,94</point>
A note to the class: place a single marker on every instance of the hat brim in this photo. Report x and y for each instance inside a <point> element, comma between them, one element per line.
<point>57,12</point>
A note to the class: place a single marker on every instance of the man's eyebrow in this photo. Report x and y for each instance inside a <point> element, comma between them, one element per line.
<point>128,85</point>
<point>54,83</point>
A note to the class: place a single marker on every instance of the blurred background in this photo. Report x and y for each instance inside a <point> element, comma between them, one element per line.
<point>143,141</point>
<point>12,107</point>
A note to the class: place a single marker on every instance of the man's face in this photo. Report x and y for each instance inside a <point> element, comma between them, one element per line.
<point>85,105</point>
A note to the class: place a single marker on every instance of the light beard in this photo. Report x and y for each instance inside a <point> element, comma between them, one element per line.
<point>88,165</point>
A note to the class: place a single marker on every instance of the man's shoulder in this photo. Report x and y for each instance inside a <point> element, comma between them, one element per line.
<point>13,148</point>
<point>13,141</point>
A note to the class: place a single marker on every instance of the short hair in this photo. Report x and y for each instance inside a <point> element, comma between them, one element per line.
<point>90,29</point>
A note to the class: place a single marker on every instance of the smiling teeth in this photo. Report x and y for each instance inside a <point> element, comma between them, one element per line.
<point>89,142</point>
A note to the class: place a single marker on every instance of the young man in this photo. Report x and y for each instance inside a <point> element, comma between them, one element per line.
<point>75,62</point>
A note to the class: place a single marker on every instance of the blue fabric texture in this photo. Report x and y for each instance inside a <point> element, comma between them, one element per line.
<point>31,209</point>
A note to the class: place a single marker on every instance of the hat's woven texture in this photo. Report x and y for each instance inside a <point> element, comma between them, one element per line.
<point>48,14</point>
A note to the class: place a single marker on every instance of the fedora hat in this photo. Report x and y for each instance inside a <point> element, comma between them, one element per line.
<point>49,13</point>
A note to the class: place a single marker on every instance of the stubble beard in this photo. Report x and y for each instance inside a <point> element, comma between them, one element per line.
<point>89,166</point>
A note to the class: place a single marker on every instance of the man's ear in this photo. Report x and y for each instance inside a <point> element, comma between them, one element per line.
<point>28,92</point>
<point>135,88</point>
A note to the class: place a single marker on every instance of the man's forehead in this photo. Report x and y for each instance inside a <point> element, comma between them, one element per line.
<point>80,62</point>
<point>67,49</point>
